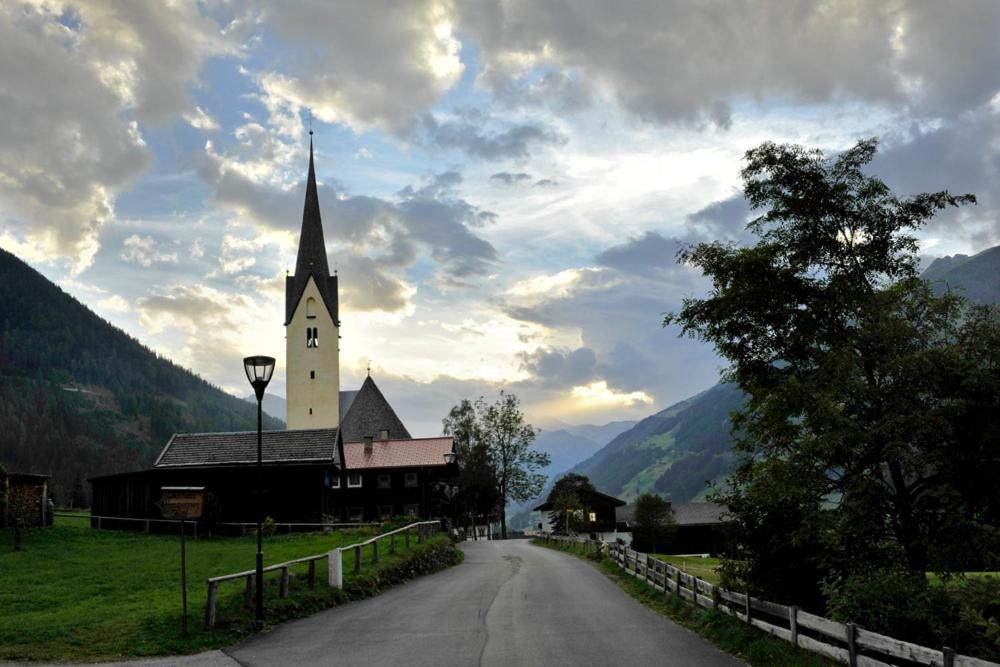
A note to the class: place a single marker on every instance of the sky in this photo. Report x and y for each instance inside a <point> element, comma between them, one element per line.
<point>504,185</point>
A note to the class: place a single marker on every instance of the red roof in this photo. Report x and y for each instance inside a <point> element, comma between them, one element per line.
<point>418,452</point>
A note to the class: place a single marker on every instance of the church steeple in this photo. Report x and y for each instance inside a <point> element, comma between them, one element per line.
<point>312,328</point>
<point>312,249</point>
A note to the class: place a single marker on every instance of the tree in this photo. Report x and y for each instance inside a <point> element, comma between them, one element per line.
<point>653,523</point>
<point>477,494</point>
<point>855,441</point>
<point>568,502</point>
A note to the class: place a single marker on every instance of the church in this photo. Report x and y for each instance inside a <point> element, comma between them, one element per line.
<point>345,456</point>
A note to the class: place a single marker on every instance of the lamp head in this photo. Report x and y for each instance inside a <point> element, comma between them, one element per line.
<point>259,370</point>
<point>450,457</point>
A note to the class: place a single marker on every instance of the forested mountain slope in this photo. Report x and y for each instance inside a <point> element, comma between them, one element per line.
<point>80,397</point>
<point>679,450</point>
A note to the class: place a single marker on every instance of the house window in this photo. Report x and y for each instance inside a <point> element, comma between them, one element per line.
<point>384,481</point>
<point>411,510</point>
<point>333,480</point>
<point>311,308</point>
<point>410,480</point>
<point>384,511</point>
<point>312,337</point>
<point>354,480</point>
<point>383,434</point>
<point>593,517</point>
<point>355,514</point>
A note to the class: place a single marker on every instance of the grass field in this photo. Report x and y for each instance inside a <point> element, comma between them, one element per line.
<point>703,568</point>
<point>82,594</point>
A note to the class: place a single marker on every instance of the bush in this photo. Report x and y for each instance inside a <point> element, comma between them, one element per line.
<point>964,615</point>
<point>268,527</point>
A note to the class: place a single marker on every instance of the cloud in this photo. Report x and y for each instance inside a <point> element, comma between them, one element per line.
<point>650,254</point>
<point>143,250</point>
<point>507,178</point>
<point>366,65</point>
<point>670,62</point>
<point>467,133</point>
<point>724,220</point>
<point>546,183</point>
<point>76,79</point>
<point>200,120</point>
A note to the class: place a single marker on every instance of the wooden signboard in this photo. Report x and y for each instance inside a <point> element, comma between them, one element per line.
<point>182,502</point>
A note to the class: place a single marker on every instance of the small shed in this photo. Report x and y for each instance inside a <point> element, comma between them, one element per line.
<point>599,509</point>
<point>27,499</point>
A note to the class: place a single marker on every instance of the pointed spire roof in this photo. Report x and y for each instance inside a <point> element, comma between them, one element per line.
<point>311,260</point>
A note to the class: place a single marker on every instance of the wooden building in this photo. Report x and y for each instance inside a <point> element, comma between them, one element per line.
<point>27,499</point>
<point>597,511</point>
<point>700,528</point>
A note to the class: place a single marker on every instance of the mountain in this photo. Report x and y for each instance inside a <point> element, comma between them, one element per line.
<point>674,451</point>
<point>274,405</point>
<point>573,443</point>
<point>80,397</point>
<point>677,451</point>
<point>977,278</point>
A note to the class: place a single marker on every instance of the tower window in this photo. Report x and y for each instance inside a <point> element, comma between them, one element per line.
<point>311,308</point>
<point>312,337</point>
<point>312,375</point>
<point>310,410</point>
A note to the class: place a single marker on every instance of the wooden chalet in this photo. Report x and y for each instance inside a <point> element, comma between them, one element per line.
<point>700,527</point>
<point>597,510</point>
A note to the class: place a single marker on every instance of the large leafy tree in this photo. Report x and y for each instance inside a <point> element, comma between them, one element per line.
<point>477,489</point>
<point>495,442</point>
<point>570,505</point>
<point>653,523</point>
<point>871,403</point>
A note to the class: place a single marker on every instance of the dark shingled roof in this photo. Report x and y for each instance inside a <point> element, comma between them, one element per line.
<point>214,449</point>
<point>311,260</point>
<point>685,514</point>
<point>596,495</point>
<point>369,414</point>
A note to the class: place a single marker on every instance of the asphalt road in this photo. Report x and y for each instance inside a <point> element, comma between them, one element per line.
<point>509,603</point>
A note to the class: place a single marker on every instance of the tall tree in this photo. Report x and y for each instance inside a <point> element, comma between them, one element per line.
<point>477,494</point>
<point>859,380</point>
<point>653,523</point>
<point>508,439</point>
<point>569,502</point>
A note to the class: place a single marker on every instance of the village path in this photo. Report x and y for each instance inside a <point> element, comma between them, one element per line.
<point>509,603</point>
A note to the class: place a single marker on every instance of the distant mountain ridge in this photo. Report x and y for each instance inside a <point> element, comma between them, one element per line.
<point>678,451</point>
<point>80,397</point>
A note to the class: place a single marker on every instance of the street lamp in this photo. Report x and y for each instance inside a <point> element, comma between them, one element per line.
<point>451,490</point>
<point>259,370</point>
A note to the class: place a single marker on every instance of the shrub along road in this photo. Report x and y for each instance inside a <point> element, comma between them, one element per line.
<point>509,603</point>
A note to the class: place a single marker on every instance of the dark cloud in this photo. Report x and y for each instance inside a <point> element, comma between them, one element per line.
<point>546,183</point>
<point>507,178</point>
<point>467,134</point>
<point>650,254</point>
<point>724,220</point>
<point>677,61</point>
<point>560,367</point>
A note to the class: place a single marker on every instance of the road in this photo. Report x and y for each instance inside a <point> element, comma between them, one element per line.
<point>509,603</point>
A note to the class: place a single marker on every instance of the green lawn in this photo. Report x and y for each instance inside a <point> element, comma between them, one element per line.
<point>82,594</point>
<point>703,568</point>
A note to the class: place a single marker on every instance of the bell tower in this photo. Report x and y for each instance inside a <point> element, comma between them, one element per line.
<point>312,326</point>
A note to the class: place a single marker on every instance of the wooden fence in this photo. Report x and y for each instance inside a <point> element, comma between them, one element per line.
<point>843,642</point>
<point>335,576</point>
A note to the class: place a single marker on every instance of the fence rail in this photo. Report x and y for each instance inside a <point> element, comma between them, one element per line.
<point>843,642</point>
<point>335,574</point>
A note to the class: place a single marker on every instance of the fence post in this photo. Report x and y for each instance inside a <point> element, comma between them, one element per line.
<point>747,605</point>
<point>677,580</point>
<point>335,568</point>
<point>852,649</point>
<point>420,533</point>
<point>248,593</point>
<point>375,551</point>
<point>793,623</point>
<point>312,574</point>
<point>357,559</point>
<point>949,657</point>
<point>213,587</point>
<point>283,590</point>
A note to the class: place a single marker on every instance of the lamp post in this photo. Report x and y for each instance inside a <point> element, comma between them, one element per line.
<point>259,370</point>
<point>451,490</point>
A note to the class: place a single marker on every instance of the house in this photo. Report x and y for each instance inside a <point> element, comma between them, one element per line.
<point>27,499</point>
<point>345,456</point>
<point>598,512</point>
<point>700,527</point>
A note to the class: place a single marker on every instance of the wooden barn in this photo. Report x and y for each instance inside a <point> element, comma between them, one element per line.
<point>700,527</point>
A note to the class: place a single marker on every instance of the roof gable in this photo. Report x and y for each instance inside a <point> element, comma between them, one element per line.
<point>369,414</point>
<point>212,449</point>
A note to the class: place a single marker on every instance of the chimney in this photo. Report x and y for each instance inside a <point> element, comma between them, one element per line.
<point>368,445</point>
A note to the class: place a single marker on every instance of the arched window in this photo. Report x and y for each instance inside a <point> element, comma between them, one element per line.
<point>310,308</point>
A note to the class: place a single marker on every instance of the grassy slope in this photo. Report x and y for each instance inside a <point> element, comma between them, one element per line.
<point>82,594</point>
<point>703,568</point>
<point>747,643</point>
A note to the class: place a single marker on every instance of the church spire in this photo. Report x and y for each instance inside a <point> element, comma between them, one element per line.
<point>312,249</point>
